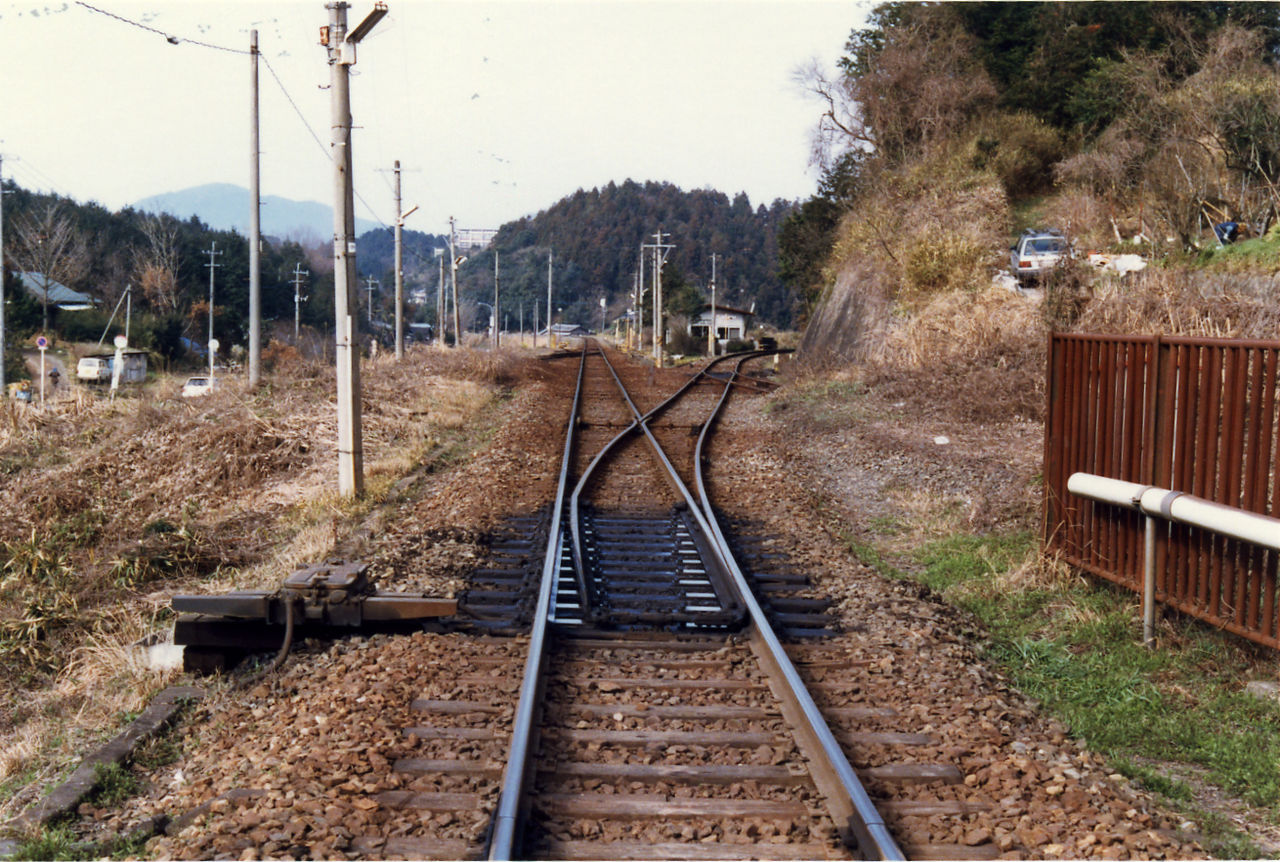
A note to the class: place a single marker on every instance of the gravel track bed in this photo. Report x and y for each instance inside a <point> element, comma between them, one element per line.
<point>317,743</point>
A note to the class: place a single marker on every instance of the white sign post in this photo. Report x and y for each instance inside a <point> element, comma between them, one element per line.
<point>43,344</point>
<point>118,365</point>
<point>213,348</point>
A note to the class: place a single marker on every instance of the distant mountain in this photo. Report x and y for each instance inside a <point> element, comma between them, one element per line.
<point>223,206</point>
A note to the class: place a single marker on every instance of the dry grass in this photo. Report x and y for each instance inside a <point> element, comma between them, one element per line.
<point>121,504</point>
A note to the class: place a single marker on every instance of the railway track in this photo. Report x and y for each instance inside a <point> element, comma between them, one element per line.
<point>646,641</point>
<point>638,701</point>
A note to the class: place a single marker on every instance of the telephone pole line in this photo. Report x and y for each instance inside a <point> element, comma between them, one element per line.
<point>3,390</point>
<point>660,252</point>
<point>213,265</point>
<point>298,274</point>
<point>255,226</point>
<point>453,279</point>
<point>370,283</point>
<point>399,233</point>
<point>341,48</point>
<point>711,329</point>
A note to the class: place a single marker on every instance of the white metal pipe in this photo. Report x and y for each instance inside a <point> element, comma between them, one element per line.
<point>1104,490</point>
<point>1226,520</point>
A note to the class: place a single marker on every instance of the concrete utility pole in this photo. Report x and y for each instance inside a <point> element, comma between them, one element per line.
<point>711,329</point>
<point>400,217</point>
<point>551,336</point>
<point>639,299</point>
<point>453,284</point>
<point>213,253</point>
<point>3,390</point>
<point>440,327</point>
<point>298,274</point>
<point>255,227</point>
<point>370,283</point>
<point>660,251</point>
<point>535,323</point>
<point>341,48</point>
<point>497,338</point>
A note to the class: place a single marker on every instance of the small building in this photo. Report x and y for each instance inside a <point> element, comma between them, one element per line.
<point>99,367</point>
<point>59,295</point>
<point>730,323</point>
<point>566,330</point>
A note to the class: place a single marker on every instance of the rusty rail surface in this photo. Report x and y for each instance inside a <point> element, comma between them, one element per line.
<point>1194,415</point>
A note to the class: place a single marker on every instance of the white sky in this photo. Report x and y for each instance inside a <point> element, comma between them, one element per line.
<point>494,109</point>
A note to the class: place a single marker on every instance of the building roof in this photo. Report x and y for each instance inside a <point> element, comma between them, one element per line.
<point>725,309</point>
<point>562,329</point>
<point>59,294</point>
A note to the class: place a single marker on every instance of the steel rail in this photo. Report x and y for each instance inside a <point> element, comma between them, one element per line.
<point>514,777</point>
<point>575,518</point>
<point>842,787</point>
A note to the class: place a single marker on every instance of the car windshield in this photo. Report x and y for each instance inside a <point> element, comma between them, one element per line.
<point>1044,245</point>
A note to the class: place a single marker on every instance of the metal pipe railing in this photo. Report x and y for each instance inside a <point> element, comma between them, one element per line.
<point>1175,507</point>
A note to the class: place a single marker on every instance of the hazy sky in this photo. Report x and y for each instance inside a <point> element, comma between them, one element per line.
<point>494,109</point>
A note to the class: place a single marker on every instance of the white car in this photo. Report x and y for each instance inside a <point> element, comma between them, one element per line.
<point>1036,252</point>
<point>197,386</point>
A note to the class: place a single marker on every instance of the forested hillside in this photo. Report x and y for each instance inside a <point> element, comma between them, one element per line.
<point>947,128</point>
<point>595,236</point>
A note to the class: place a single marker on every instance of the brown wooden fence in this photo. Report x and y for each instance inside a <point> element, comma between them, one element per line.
<point>1192,415</point>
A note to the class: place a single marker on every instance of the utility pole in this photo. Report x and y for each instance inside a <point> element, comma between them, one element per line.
<point>497,337</point>
<point>639,299</point>
<point>453,283</point>
<point>711,330</point>
<point>535,324</point>
<point>660,251</point>
<point>370,283</point>
<point>3,390</point>
<point>440,327</point>
<point>298,274</point>
<point>551,337</point>
<point>341,48</point>
<point>255,226</point>
<point>212,264</point>
<point>400,217</point>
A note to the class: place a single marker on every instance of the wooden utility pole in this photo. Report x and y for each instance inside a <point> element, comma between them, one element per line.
<point>341,48</point>
<point>255,227</point>
<point>660,251</point>
<point>551,336</point>
<point>497,338</point>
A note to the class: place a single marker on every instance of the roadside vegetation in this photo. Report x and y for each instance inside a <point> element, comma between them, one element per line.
<point>114,506</point>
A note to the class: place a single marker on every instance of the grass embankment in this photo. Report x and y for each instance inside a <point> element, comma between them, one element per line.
<point>1175,719</point>
<point>113,506</point>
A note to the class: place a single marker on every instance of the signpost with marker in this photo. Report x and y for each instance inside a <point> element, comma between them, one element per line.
<point>121,342</point>
<point>42,344</point>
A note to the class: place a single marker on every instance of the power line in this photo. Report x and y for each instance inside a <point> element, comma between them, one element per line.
<point>296,109</point>
<point>169,37</point>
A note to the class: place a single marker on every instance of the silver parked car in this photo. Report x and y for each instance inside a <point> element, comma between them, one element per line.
<point>1036,252</point>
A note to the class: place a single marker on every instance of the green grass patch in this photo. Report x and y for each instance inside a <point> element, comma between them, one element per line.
<point>1075,646</point>
<point>59,842</point>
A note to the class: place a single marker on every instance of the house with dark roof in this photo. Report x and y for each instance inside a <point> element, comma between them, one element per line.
<point>58,295</point>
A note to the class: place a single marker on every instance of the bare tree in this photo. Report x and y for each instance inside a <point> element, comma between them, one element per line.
<point>156,264</point>
<point>51,249</point>
<point>914,91</point>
